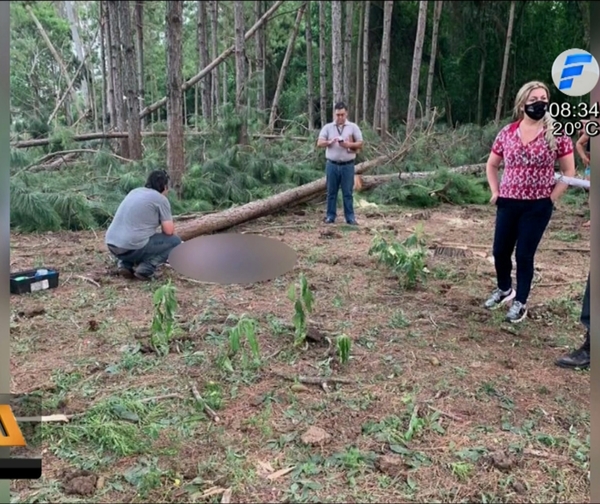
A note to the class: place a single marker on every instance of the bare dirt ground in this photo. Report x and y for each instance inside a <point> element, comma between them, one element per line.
<point>442,400</point>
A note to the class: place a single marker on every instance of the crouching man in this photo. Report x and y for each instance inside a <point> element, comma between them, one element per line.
<point>132,237</point>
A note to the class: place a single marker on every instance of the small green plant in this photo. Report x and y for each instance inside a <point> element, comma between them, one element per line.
<point>244,329</point>
<point>344,345</point>
<point>163,322</point>
<point>303,305</point>
<point>406,259</point>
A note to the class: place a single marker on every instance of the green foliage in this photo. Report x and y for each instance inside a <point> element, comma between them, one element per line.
<point>245,328</point>
<point>407,259</point>
<point>302,298</point>
<point>442,187</point>
<point>343,345</point>
<point>163,321</point>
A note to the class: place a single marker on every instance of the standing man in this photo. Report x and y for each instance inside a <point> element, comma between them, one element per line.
<point>580,358</point>
<point>132,236</point>
<point>341,139</point>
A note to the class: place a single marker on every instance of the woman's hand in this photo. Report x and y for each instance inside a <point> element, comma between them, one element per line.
<point>494,198</point>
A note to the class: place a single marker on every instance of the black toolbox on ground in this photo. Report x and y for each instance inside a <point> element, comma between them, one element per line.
<point>34,280</point>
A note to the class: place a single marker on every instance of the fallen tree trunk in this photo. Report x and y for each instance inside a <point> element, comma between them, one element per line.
<point>255,209</point>
<point>367,183</point>
<point>84,137</point>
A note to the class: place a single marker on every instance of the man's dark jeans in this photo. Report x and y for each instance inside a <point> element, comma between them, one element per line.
<point>153,254</point>
<point>521,223</point>
<point>340,176</point>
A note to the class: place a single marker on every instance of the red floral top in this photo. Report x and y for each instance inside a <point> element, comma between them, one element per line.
<point>528,169</point>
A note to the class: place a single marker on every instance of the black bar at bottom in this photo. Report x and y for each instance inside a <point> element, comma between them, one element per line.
<point>20,468</point>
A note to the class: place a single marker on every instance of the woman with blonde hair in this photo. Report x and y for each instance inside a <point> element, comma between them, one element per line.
<point>526,195</point>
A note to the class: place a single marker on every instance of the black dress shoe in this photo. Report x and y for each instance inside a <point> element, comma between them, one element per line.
<point>579,358</point>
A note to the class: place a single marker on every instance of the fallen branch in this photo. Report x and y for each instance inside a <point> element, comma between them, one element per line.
<point>314,380</point>
<point>489,247</point>
<point>89,280</point>
<point>209,411</point>
<point>112,135</point>
<point>40,165</point>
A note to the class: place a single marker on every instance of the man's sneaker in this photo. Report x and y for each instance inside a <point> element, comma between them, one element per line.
<point>498,298</point>
<point>579,358</point>
<point>517,312</point>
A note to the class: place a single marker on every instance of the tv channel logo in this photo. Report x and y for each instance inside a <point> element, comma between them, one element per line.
<point>575,72</point>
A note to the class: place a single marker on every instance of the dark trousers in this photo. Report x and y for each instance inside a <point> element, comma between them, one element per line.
<point>586,313</point>
<point>340,176</point>
<point>521,223</point>
<point>153,254</point>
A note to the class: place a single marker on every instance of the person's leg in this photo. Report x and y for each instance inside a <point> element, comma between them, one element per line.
<point>532,225</point>
<point>580,358</point>
<point>347,183</point>
<point>505,238</point>
<point>333,187</point>
<point>124,264</point>
<point>155,253</point>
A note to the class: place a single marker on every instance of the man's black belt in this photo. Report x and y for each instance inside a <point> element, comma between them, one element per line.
<point>341,162</point>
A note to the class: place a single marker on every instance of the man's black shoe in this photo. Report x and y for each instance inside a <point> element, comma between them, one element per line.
<point>579,358</point>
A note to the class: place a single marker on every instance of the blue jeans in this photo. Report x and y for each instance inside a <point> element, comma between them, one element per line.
<point>340,176</point>
<point>150,256</point>
<point>521,223</point>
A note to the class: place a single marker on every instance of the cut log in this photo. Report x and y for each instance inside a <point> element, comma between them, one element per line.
<point>255,209</point>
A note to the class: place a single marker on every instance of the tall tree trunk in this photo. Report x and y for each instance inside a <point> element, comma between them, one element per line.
<point>309,67</point>
<point>260,43</point>
<point>57,57</point>
<point>357,72</point>
<point>139,53</point>
<point>175,130</point>
<point>240,70</point>
<point>203,59</point>
<point>130,81</point>
<point>480,88</point>
<point>213,12</point>
<point>416,68</point>
<point>107,100</point>
<point>347,79</point>
<point>365,60</point>
<point>382,111</point>
<point>322,64</point>
<point>70,10</point>
<point>437,13</point>
<point>500,103</point>
<point>337,59</point>
<point>116,53</point>
<point>284,66</point>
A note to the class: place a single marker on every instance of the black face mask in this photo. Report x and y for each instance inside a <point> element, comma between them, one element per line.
<point>536,110</point>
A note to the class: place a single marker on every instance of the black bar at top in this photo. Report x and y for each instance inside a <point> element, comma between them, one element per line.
<point>20,468</point>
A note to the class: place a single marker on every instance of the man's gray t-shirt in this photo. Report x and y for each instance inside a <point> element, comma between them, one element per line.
<point>137,218</point>
<point>334,152</point>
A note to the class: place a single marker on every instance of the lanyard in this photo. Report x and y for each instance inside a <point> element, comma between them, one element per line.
<point>340,131</point>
